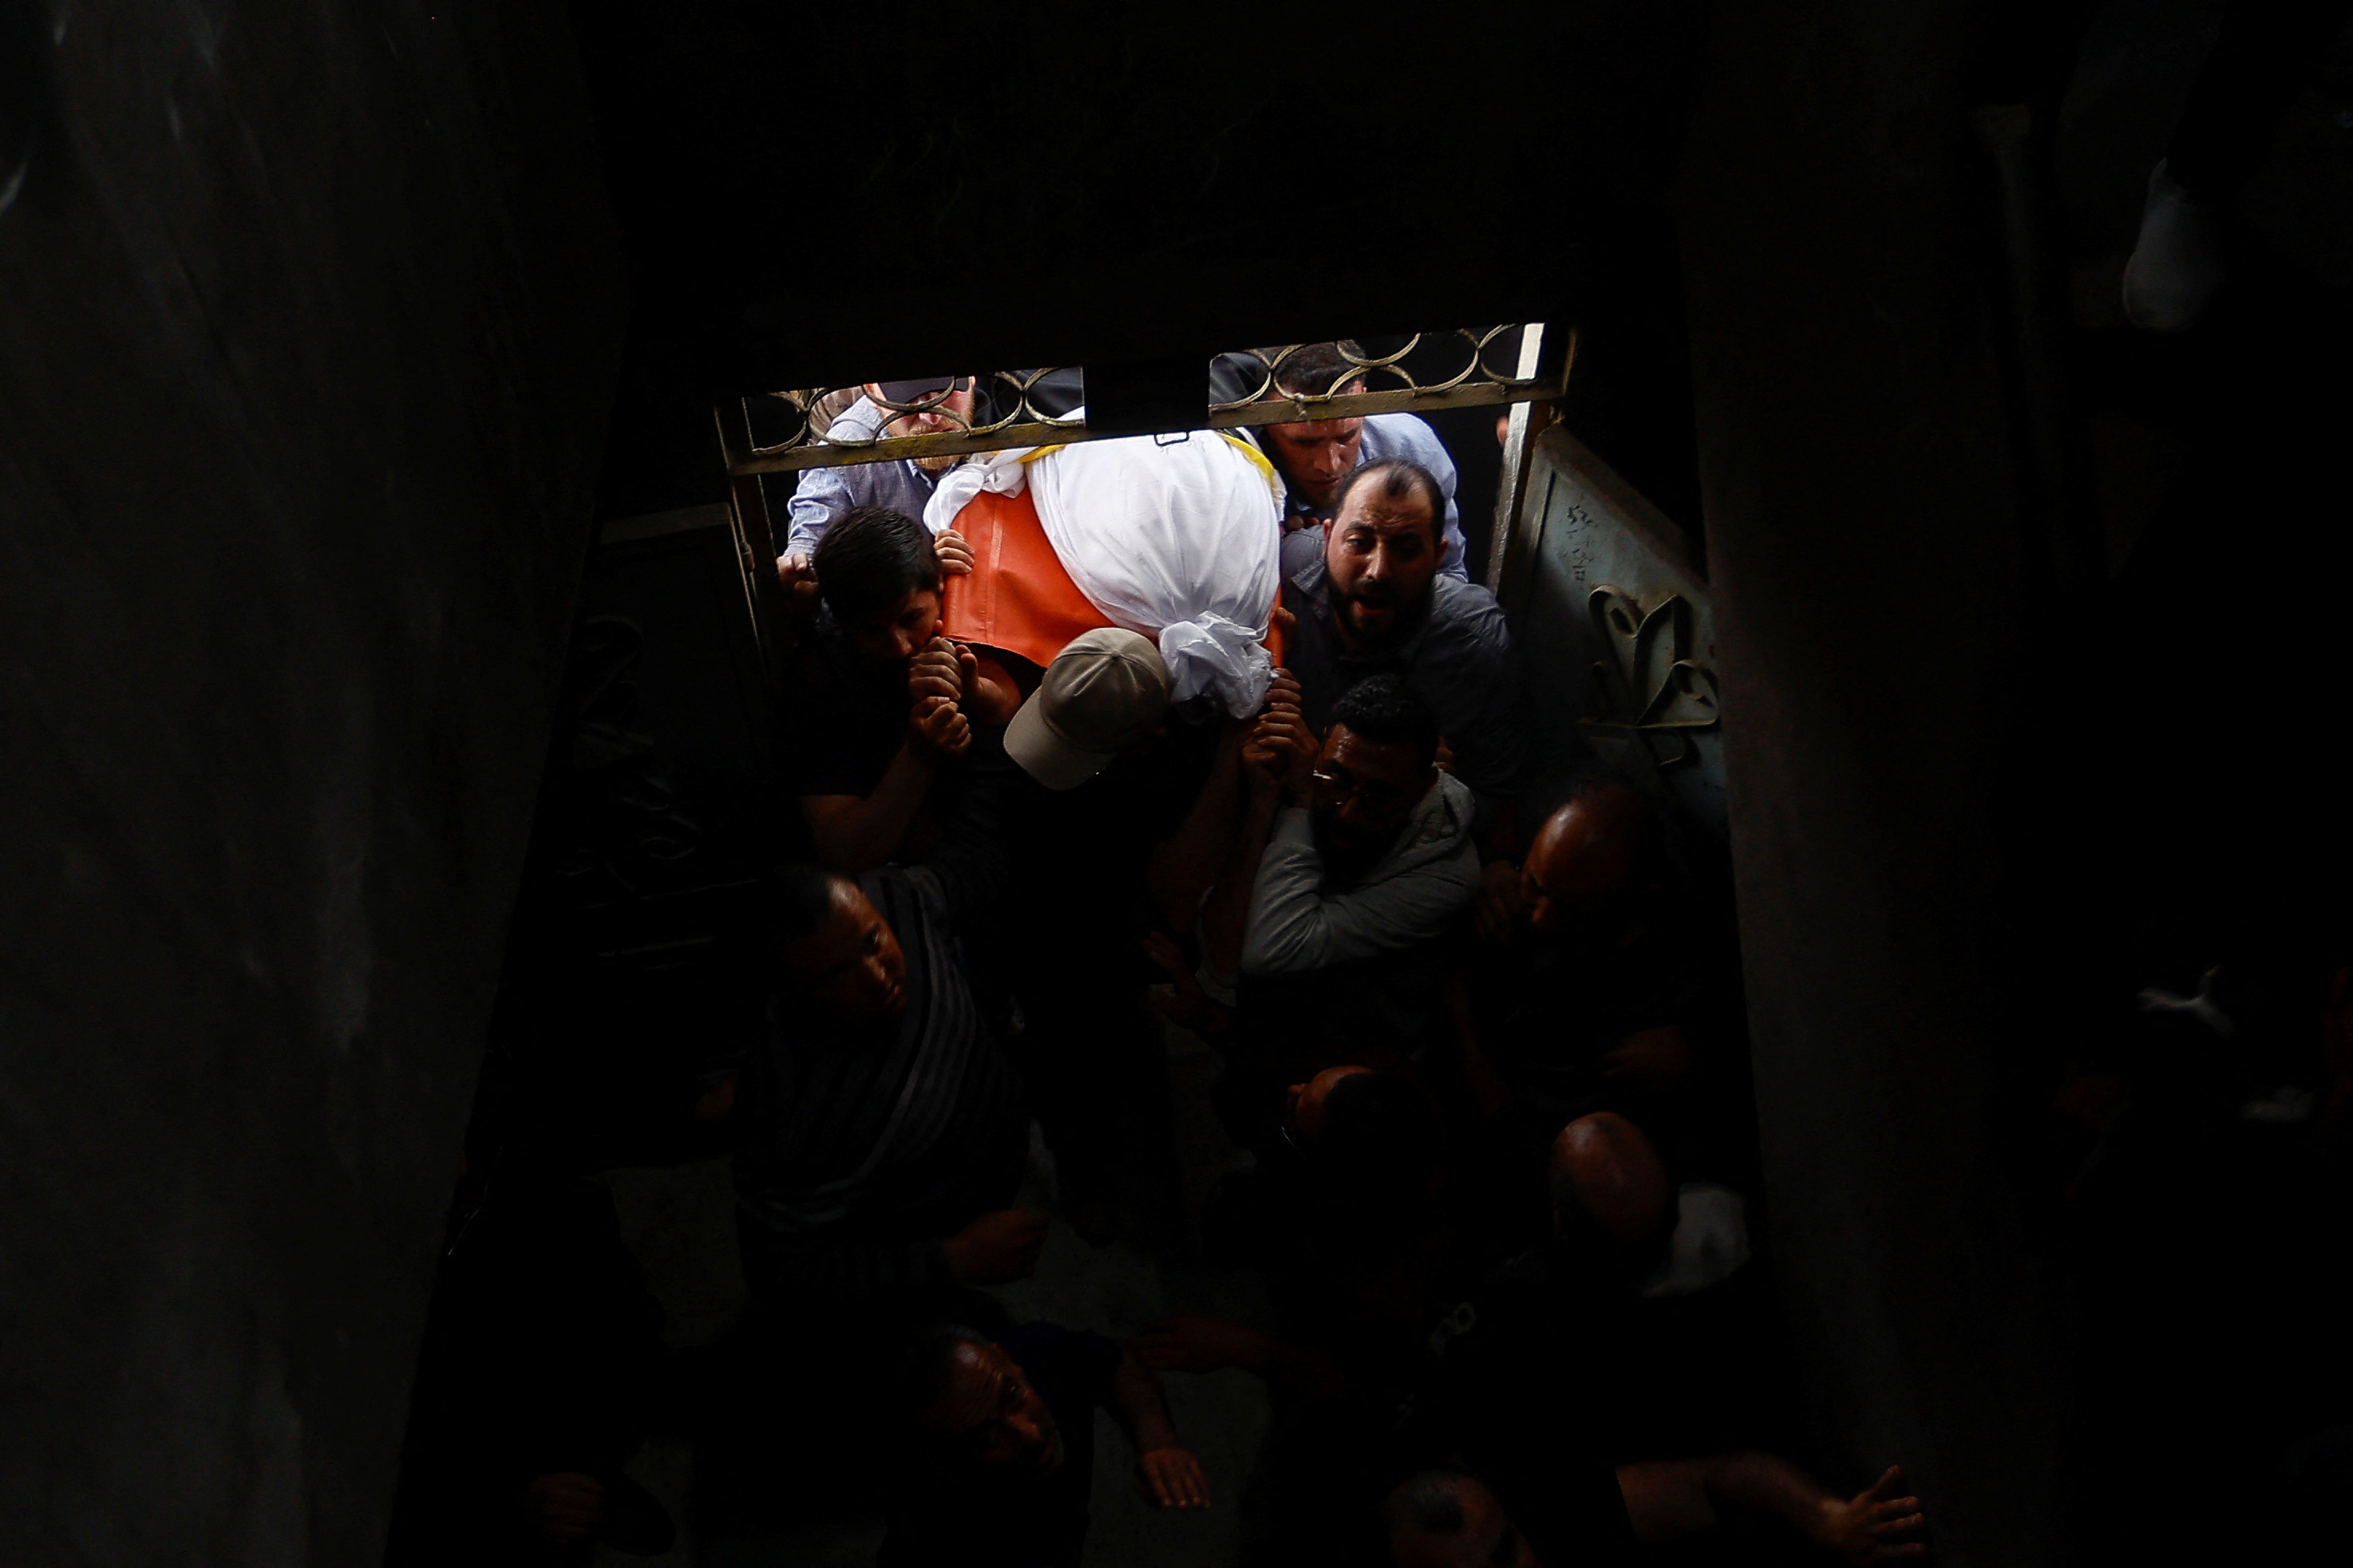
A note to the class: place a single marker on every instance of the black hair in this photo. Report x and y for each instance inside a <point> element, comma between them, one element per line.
<point>1381,708</point>
<point>1430,1500</point>
<point>795,900</point>
<point>1398,478</point>
<point>1379,1140</point>
<point>871,558</point>
<point>1319,370</point>
<point>924,1362</point>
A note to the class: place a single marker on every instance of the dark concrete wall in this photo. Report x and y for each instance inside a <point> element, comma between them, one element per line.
<point>860,193</point>
<point>307,323</point>
<point>1872,574</point>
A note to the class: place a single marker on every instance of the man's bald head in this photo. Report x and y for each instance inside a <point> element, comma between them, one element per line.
<point>1592,862</point>
<point>1445,1519</point>
<point>1605,1171</point>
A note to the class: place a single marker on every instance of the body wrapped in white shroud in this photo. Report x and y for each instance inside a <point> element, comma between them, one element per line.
<point>1178,540</point>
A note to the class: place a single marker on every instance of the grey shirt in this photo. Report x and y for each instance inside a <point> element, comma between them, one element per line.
<point>1459,661</point>
<point>826,493</point>
<point>1418,888</point>
<point>1409,437</point>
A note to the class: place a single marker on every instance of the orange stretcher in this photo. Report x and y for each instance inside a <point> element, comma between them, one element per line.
<point>1017,597</point>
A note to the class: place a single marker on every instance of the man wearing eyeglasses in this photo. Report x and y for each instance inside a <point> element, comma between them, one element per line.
<point>1355,856</point>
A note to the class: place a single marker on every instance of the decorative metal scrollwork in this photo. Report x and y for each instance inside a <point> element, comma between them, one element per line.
<point>781,432</point>
<point>1648,685</point>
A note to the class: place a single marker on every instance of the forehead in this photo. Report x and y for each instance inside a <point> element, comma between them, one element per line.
<point>1378,759</point>
<point>847,917</point>
<point>1367,507</point>
<point>1318,429</point>
<point>975,1381</point>
<point>914,601</point>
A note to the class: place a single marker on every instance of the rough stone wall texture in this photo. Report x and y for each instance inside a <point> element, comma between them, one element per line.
<point>308,317</point>
<point>1868,560</point>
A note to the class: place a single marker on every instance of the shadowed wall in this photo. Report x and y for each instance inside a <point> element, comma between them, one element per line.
<point>307,318</point>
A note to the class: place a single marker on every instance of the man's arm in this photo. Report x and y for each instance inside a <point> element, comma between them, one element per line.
<point>820,497</point>
<point>1294,928</point>
<point>1670,1499</point>
<point>852,833</point>
<point>1274,764</point>
<point>1167,1473</point>
<point>1202,1342</point>
<point>1185,867</point>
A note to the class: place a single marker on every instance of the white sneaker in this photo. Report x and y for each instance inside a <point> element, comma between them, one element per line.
<point>2176,265</point>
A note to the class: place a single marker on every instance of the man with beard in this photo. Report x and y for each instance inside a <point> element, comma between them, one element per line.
<point>1355,858</point>
<point>1315,457</point>
<point>1002,1445</point>
<point>1383,606</point>
<point>825,496</point>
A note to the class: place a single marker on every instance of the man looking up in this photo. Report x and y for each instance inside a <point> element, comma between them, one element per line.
<point>885,1135</point>
<point>1384,606</point>
<point>881,730</point>
<point>1315,457</point>
<point>1002,1442</point>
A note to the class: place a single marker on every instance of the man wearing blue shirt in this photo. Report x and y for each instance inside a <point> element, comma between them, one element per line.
<point>1315,457</point>
<point>900,485</point>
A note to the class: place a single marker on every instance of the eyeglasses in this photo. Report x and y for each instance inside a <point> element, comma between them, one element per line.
<point>1339,787</point>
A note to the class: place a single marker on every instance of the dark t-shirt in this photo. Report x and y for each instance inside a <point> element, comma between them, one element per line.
<point>1039,1525</point>
<point>851,720</point>
<point>1519,1388</point>
<point>1547,1013</point>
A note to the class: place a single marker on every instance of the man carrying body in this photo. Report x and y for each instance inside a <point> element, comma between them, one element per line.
<point>1383,606</point>
<point>883,738</point>
<point>1352,860</point>
<point>1002,1443</point>
<point>827,495</point>
<point>1315,457</point>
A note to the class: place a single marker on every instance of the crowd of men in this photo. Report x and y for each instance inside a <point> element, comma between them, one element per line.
<point>1478,1026</point>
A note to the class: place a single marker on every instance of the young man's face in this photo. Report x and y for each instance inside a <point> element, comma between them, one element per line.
<point>1380,554</point>
<point>1365,790</point>
<point>1315,455</point>
<point>850,967</point>
<point>990,1418</point>
<point>896,633</point>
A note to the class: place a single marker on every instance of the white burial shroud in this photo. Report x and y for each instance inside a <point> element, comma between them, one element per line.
<point>1177,539</point>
